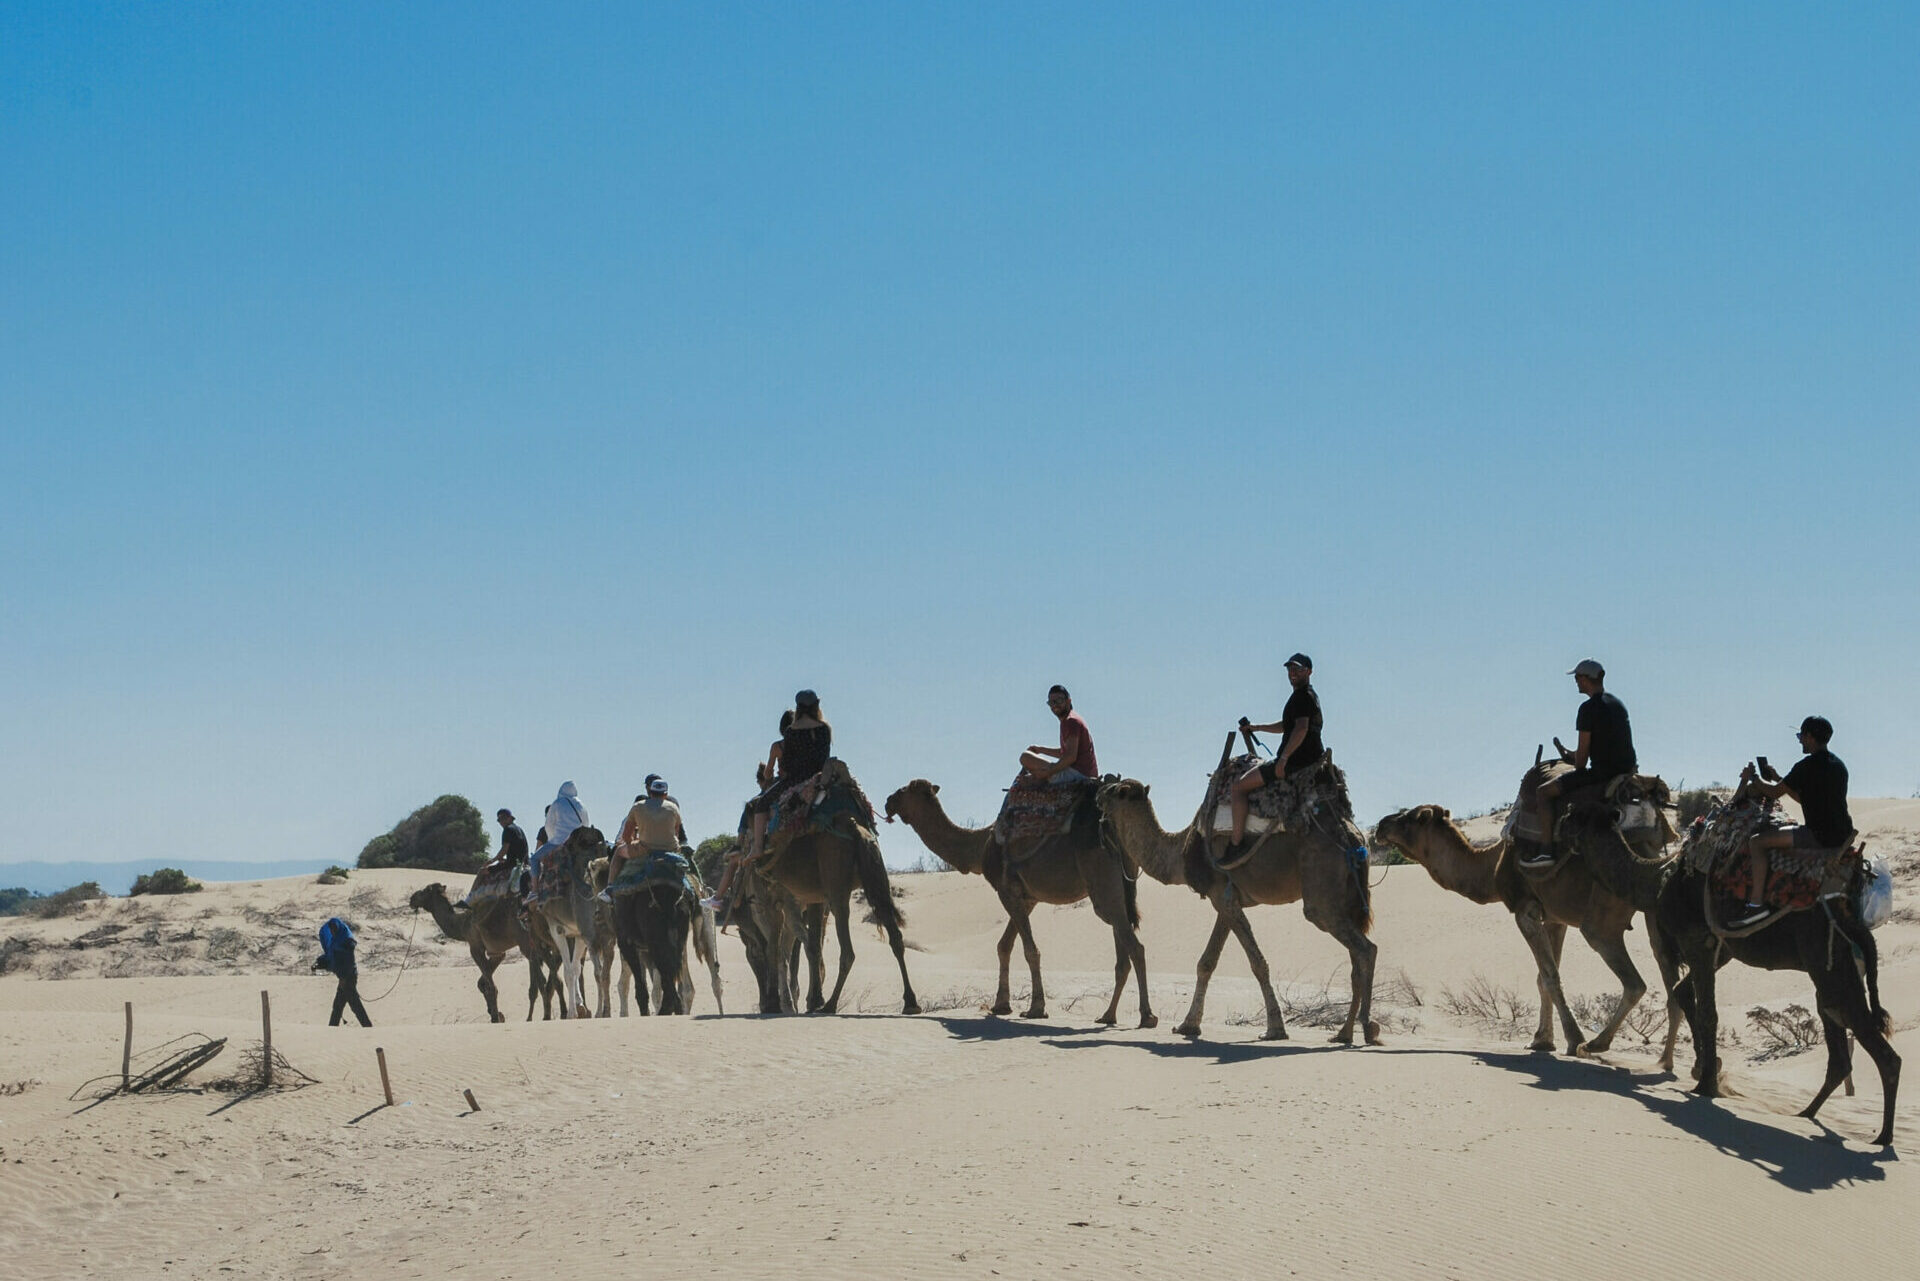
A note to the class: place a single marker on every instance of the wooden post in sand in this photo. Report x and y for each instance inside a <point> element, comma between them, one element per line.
<point>385,1084</point>
<point>471,1101</point>
<point>126,1054</point>
<point>266,1040</point>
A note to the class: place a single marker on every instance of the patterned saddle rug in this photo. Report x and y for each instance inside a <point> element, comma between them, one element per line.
<point>1033,809</point>
<point>496,880</point>
<point>1797,879</point>
<point>663,867</point>
<point>829,801</point>
<point>1640,803</point>
<point>1285,804</point>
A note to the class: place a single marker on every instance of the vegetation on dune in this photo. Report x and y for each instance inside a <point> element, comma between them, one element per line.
<point>707,855</point>
<point>164,880</point>
<point>445,836</point>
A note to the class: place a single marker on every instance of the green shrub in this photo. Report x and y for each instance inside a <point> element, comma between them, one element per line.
<point>164,880</point>
<point>334,875</point>
<point>445,836</point>
<point>15,901</point>
<point>1690,803</point>
<point>67,901</point>
<point>707,856</point>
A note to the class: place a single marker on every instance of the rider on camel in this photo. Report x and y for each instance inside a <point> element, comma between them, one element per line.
<point>1819,783</point>
<point>1603,753</point>
<point>1302,749</point>
<point>1073,761</point>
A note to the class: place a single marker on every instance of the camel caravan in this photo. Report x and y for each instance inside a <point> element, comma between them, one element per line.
<point>1588,844</point>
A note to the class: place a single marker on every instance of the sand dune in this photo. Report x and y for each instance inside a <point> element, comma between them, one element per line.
<point>950,1144</point>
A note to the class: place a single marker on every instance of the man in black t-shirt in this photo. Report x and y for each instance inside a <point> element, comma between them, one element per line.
<point>1301,750</point>
<point>1819,783</point>
<point>1605,748</point>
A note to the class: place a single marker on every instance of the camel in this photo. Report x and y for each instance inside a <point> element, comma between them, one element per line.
<point>1829,945</point>
<point>1060,869</point>
<point>579,924</point>
<point>822,868</point>
<point>1313,866</point>
<point>1542,909</point>
<point>774,930</point>
<point>490,931</point>
<point>652,928</point>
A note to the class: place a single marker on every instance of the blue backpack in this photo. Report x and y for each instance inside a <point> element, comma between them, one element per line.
<point>336,936</point>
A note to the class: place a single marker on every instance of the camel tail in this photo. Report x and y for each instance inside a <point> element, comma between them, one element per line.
<point>873,881</point>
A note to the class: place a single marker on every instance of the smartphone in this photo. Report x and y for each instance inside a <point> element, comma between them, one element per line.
<point>1764,767</point>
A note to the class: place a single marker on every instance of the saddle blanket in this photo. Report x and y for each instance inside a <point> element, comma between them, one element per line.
<point>1283,803</point>
<point>1639,805</point>
<point>1033,810</point>
<point>496,880</point>
<point>822,803</point>
<point>660,868</point>
<point>552,880</point>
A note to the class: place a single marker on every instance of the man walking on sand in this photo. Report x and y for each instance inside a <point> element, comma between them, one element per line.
<point>336,955</point>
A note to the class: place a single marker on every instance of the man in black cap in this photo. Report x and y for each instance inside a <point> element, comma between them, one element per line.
<point>1603,753</point>
<point>1819,783</point>
<point>513,841</point>
<point>1301,750</point>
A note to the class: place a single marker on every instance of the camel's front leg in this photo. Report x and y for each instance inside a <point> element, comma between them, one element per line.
<point>1209,958</point>
<point>1137,954</point>
<point>843,933</point>
<point>1257,962</point>
<point>1003,996</point>
<point>1543,938</point>
<point>1122,963</point>
<point>1670,980</point>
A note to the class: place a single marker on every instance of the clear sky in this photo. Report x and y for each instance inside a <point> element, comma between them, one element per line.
<point>397,400</point>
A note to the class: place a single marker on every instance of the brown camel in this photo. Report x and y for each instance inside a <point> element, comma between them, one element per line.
<point>1060,869</point>
<point>823,868</point>
<point>1542,908</point>
<point>1312,866</point>
<point>490,931</point>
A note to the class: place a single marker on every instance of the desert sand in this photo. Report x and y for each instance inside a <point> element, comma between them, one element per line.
<point>949,1144</point>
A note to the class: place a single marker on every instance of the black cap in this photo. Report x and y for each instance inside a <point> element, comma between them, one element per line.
<point>806,698</point>
<point>1300,660</point>
<point>1818,728</point>
<point>504,812</point>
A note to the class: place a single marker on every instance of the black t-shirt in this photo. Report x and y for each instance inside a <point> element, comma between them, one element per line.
<point>1303,703</point>
<point>804,752</point>
<point>1820,781</point>
<point>513,844</point>
<point>1610,750</point>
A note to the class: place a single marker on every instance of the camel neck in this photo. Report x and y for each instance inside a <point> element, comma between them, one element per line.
<point>963,848</point>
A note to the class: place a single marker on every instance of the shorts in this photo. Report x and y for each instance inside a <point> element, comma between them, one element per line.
<point>1066,776</point>
<point>1804,838</point>
<point>1271,770</point>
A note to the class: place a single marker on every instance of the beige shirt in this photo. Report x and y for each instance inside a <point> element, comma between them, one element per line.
<point>654,824</point>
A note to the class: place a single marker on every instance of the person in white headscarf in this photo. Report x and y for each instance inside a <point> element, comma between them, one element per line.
<point>563,816</point>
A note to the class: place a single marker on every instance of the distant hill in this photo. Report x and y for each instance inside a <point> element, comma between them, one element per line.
<point>117,878</point>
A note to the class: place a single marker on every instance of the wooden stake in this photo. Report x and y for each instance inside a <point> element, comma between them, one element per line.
<point>266,1040</point>
<point>385,1084</point>
<point>126,1055</point>
<point>471,1102</point>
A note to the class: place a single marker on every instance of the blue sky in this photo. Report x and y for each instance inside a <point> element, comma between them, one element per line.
<point>469,398</point>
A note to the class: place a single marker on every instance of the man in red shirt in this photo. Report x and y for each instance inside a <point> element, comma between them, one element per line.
<point>1073,761</point>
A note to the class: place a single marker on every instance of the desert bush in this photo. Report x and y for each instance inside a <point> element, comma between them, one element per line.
<point>1690,803</point>
<point>1485,1001</point>
<point>164,880</point>
<point>67,901</point>
<point>16,900</point>
<point>13,953</point>
<point>1787,1031</point>
<point>708,854</point>
<point>224,944</point>
<point>1647,1020</point>
<point>445,836</point>
<point>334,875</point>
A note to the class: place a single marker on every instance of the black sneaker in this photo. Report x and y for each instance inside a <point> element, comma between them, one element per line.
<point>1236,852</point>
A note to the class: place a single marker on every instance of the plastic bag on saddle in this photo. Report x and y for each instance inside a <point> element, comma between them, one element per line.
<point>1282,804</point>
<point>1040,809</point>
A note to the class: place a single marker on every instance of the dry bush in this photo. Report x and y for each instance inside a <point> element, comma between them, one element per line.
<point>1787,1031</point>
<point>14,952</point>
<point>1397,990</point>
<point>1490,1004</point>
<point>8,1089</point>
<point>365,901</point>
<point>1647,1020</point>
<point>224,944</point>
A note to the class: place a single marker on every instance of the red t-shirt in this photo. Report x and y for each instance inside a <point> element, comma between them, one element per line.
<point>1076,742</point>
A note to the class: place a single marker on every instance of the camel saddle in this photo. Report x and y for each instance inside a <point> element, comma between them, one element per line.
<point>554,879</point>
<point>1035,809</point>
<point>1303,800</point>
<point>1797,879</point>
<point>498,879</point>
<point>830,801</point>
<point>662,867</point>
<point>1639,803</point>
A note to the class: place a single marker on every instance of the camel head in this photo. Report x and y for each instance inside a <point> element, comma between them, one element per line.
<point>912,801</point>
<point>428,896</point>
<point>1409,830</point>
<point>1122,798</point>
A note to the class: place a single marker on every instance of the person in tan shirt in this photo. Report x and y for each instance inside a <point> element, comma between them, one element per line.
<point>653,826</point>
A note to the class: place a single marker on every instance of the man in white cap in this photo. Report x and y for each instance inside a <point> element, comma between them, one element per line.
<point>563,816</point>
<point>1603,752</point>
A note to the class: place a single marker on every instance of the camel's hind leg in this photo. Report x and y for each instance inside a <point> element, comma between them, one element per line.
<point>1257,962</point>
<point>1209,958</point>
<point>1612,948</point>
<point>1670,982</point>
<point>1003,995</point>
<point>1843,1006</point>
<point>843,934</point>
<point>489,990</point>
<point>815,925</point>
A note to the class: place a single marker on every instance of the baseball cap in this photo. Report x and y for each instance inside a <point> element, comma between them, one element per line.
<point>657,786</point>
<point>1300,660</point>
<point>1588,667</point>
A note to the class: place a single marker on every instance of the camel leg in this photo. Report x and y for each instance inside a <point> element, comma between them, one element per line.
<point>603,980</point>
<point>1003,995</point>
<point>1843,1007</point>
<point>843,934</point>
<point>1706,1028</point>
<point>569,971</point>
<point>1137,952</point>
<point>1361,952</point>
<point>1122,965</point>
<point>1543,1032</point>
<point>1257,962</point>
<point>816,927</point>
<point>1209,958</point>
<point>1670,980</point>
<point>1544,938</point>
<point>633,968</point>
<point>489,990</point>
<point>626,982</point>
<point>1613,950</point>
<point>909,1003</point>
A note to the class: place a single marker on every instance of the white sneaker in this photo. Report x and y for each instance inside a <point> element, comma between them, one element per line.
<point>604,896</point>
